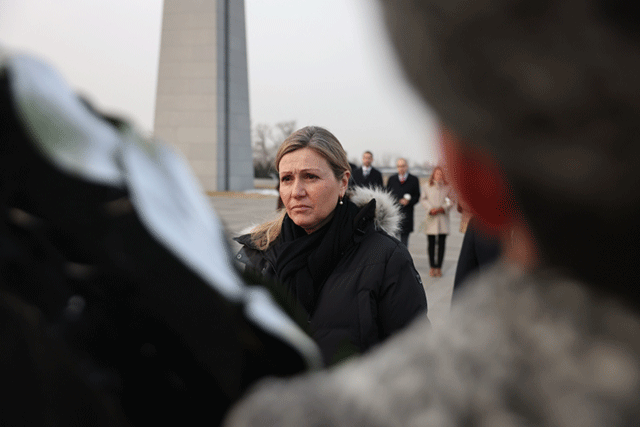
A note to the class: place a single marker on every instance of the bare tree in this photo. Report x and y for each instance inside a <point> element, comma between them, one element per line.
<point>261,142</point>
<point>266,141</point>
<point>261,146</point>
<point>284,129</point>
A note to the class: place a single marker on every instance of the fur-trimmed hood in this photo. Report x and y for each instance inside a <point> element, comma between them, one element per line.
<point>387,216</point>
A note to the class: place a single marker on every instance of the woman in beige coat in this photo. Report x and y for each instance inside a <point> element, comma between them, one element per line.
<point>436,197</point>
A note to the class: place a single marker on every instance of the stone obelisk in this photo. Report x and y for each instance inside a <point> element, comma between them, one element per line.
<point>202,99</point>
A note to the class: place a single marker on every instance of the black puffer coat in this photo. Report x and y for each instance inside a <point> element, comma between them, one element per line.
<point>373,292</point>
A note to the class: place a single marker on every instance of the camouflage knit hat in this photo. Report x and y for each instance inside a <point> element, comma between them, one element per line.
<point>549,88</point>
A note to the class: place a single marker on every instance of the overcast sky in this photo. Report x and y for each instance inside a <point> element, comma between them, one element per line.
<point>322,62</point>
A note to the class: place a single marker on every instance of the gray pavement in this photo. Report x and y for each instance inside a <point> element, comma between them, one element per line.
<point>238,211</point>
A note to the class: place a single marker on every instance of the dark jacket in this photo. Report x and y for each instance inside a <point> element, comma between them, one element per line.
<point>374,179</point>
<point>410,186</point>
<point>352,182</point>
<point>479,251</point>
<point>373,292</point>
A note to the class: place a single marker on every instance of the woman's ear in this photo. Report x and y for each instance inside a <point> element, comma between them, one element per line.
<point>344,182</point>
<point>479,182</point>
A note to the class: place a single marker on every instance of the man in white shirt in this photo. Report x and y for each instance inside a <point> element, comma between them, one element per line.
<point>367,175</point>
<point>405,188</point>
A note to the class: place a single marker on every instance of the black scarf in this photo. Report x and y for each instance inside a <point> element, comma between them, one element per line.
<point>305,261</point>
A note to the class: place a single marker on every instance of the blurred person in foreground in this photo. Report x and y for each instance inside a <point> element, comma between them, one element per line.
<point>406,190</point>
<point>334,250</point>
<point>542,105</point>
<point>436,198</point>
<point>119,301</point>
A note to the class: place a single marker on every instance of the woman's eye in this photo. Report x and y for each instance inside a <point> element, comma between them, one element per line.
<point>285,179</point>
<point>311,176</point>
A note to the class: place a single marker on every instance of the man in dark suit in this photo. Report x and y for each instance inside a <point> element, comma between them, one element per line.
<point>406,189</point>
<point>367,175</point>
<point>353,167</point>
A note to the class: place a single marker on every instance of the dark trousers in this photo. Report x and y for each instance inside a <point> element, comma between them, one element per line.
<point>404,238</point>
<point>432,242</point>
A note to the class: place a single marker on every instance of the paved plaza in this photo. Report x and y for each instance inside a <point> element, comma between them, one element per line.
<point>239,211</point>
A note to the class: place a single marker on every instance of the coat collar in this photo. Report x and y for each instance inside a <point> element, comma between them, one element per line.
<point>387,215</point>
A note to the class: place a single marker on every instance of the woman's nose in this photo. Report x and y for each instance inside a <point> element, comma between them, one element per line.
<point>299,188</point>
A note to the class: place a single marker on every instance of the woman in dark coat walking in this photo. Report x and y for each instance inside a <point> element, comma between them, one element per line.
<point>334,251</point>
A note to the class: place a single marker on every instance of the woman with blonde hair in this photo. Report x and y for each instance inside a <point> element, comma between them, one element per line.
<point>335,251</point>
<point>436,196</point>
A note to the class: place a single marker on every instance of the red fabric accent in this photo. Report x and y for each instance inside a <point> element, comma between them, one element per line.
<point>479,180</point>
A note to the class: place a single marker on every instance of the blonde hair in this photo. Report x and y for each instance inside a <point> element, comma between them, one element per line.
<point>433,173</point>
<point>322,142</point>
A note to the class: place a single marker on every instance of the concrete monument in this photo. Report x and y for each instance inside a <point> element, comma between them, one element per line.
<point>202,101</point>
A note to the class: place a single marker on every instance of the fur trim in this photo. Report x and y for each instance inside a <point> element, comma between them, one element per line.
<point>388,215</point>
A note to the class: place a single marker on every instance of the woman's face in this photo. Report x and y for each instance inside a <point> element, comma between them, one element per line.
<point>438,176</point>
<point>308,188</point>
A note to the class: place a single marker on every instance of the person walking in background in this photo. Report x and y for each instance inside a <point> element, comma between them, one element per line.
<point>480,249</point>
<point>333,250</point>
<point>406,190</point>
<point>436,199</point>
<point>352,168</point>
<point>367,175</point>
